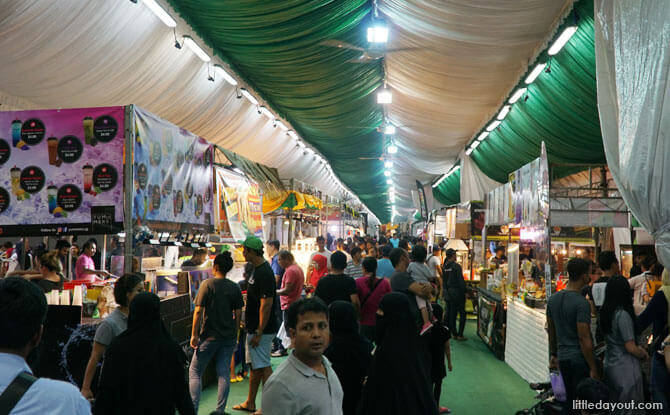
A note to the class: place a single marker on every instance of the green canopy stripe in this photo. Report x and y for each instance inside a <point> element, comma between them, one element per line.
<point>275,47</point>
<point>561,110</point>
<point>448,192</point>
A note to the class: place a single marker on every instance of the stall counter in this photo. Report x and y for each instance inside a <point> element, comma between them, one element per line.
<point>491,321</point>
<point>527,342</point>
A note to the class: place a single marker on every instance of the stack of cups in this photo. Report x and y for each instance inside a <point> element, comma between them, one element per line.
<point>65,297</point>
<point>77,297</point>
<point>53,297</point>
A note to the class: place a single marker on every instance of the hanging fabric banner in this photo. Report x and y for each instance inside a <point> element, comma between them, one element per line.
<point>241,203</point>
<point>61,171</point>
<point>172,175</point>
<point>423,206</point>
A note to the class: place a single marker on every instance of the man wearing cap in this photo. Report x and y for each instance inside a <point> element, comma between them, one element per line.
<point>261,322</point>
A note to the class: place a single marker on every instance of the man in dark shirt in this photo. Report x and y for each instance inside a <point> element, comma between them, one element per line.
<point>261,322</point>
<point>454,294</point>
<point>337,285</point>
<point>569,329</point>
<point>272,247</point>
<point>218,307</point>
<point>402,282</point>
<point>198,258</point>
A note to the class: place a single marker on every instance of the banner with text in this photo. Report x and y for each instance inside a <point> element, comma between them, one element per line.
<point>240,204</point>
<point>61,171</point>
<point>172,175</point>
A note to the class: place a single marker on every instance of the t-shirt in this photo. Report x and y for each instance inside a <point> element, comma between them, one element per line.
<point>400,282</point>
<point>623,330</point>
<point>567,308</point>
<point>261,285</point>
<point>276,268</point>
<point>385,268</point>
<point>48,285</point>
<point>420,272</point>
<point>395,242</point>
<point>327,254</point>
<point>370,301</point>
<point>220,297</point>
<point>294,275</point>
<point>115,324</point>
<point>454,284</point>
<point>434,262</point>
<point>339,287</point>
<point>637,285</point>
<point>439,335</point>
<point>84,261</point>
<point>354,270</point>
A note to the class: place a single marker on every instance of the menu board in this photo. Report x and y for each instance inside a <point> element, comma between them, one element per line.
<point>240,204</point>
<point>56,166</point>
<point>172,174</point>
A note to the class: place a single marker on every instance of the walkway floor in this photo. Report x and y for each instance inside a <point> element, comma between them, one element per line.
<point>479,384</point>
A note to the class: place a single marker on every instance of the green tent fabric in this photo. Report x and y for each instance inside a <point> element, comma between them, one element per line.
<point>448,192</point>
<point>561,110</point>
<point>274,46</point>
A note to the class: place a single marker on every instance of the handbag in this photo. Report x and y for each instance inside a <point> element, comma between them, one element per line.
<point>15,391</point>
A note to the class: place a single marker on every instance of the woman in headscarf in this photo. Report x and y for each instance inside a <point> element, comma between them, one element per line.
<point>144,368</point>
<point>349,352</point>
<point>623,373</point>
<point>399,378</point>
<point>319,269</point>
<point>658,313</point>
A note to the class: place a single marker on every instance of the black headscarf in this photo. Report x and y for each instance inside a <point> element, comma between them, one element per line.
<point>399,380</point>
<point>144,368</point>
<point>349,352</point>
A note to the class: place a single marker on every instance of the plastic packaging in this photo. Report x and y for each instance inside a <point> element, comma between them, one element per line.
<point>557,385</point>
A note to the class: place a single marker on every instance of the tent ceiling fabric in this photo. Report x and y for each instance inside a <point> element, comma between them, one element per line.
<point>561,110</point>
<point>87,53</point>
<point>471,54</point>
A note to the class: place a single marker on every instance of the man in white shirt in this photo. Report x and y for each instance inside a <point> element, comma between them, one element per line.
<point>23,309</point>
<point>321,243</point>
<point>637,283</point>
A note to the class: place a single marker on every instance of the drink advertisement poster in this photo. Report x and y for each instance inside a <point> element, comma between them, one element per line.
<point>172,176</point>
<point>240,202</point>
<point>56,166</point>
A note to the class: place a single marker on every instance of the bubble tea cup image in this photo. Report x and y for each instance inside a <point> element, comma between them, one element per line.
<point>88,177</point>
<point>15,174</point>
<point>16,132</point>
<point>53,150</point>
<point>89,138</point>
<point>52,192</point>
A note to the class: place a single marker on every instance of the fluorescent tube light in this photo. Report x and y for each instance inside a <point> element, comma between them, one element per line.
<point>390,129</point>
<point>518,94</point>
<point>293,135</point>
<point>468,151</point>
<point>248,96</point>
<point>475,145</point>
<point>483,136</point>
<point>393,149</point>
<point>160,13</point>
<point>389,181</point>
<point>493,126</point>
<point>388,164</point>
<point>378,33</point>
<point>265,111</point>
<point>562,40</point>
<point>188,40</point>
<point>503,112</point>
<point>281,125</point>
<point>384,96</point>
<point>219,70</point>
<point>535,73</point>
<point>387,173</point>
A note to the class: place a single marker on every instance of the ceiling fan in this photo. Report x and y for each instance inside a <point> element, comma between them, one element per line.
<point>367,55</point>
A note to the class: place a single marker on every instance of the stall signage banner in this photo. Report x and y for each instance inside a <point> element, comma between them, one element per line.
<point>240,202</point>
<point>57,166</point>
<point>423,206</point>
<point>172,175</point>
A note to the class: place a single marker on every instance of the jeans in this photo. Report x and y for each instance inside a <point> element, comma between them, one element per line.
<point>453,308</point>
<point>208,349</point>
<point>572,372</point>
<point>660,382</point>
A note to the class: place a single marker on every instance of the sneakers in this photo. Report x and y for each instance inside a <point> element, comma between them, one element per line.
<point>426,327</point>
<point>444,410</point>
<point>279,353</point>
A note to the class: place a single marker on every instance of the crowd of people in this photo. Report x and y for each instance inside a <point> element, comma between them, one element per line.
<point>364,327</point>
<point>632,362</point>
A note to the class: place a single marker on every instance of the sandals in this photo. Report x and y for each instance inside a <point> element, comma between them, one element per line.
<point>241,407</point>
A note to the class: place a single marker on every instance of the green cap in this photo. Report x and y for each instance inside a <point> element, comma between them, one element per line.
<point>252,242</point>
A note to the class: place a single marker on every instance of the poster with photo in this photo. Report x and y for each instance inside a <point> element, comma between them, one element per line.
<point>240,203</point>
<point>172,175</point>
<point>57,166</point>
